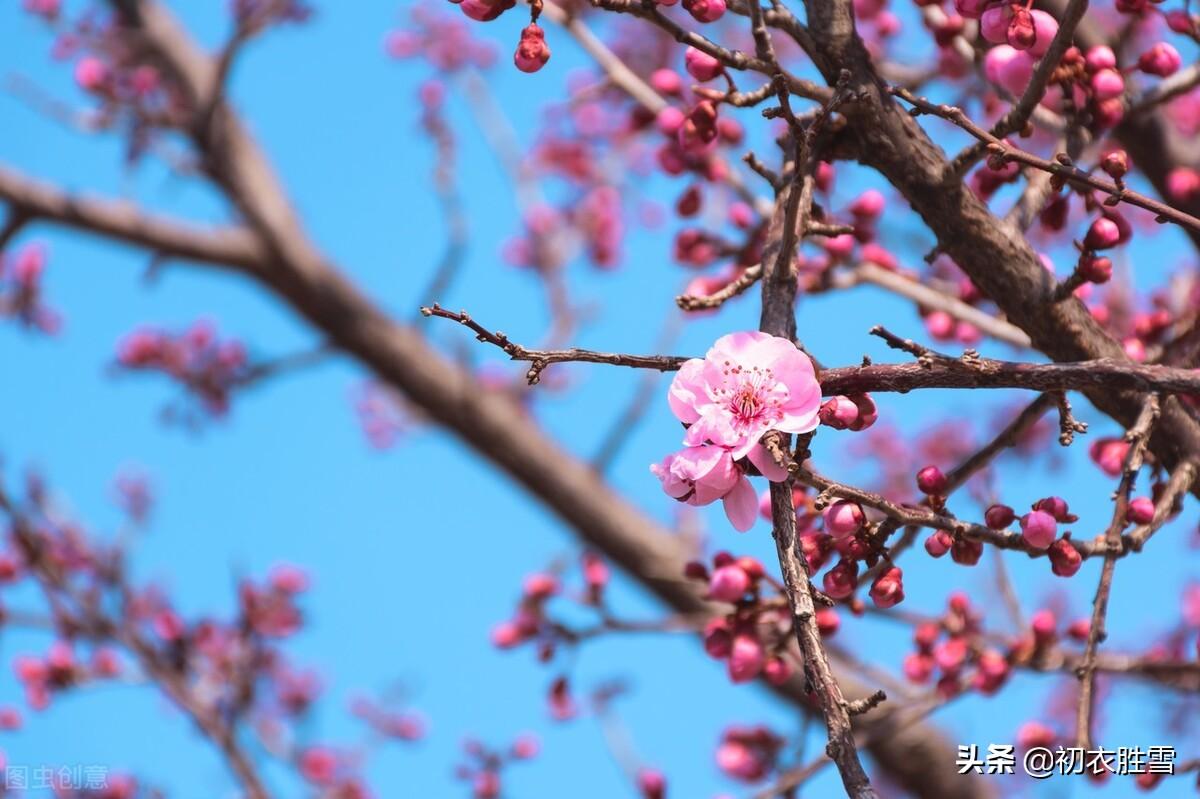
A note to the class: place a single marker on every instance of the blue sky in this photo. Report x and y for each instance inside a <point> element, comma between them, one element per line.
<point>289,477</point>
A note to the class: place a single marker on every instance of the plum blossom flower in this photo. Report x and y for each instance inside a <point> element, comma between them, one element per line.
<point>704,474</point>
<point>747,384</point>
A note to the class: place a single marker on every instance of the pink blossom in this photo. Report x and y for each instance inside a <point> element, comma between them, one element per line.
<point>747,384</point>
<point>728,583</point>
<point>1038,528</point>
<point>704,474</point>
<point>888,588</point>
<point>746,658</point>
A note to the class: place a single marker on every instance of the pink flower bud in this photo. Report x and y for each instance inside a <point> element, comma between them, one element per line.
<point>1056,507</point>
<point>1100,57</point>
<point>1103,234</point>
<point>746,658</point>
<point>843,518</point>
<point>717,640</point>
<point>666,81</point>
<point>839,246</point>
<point>930,480</point>
<point>777,671</point>
<point>888,588</point>
<point>92,74</point>
<point>940,325</point>
<point>506,635</point>
<point>1140,511</point>
<point>966,551</point>
<point>532,50</point>
<point>1079,629</point>
<point>1021,32</point>
<point>1009,68</point>
<point>1095,268</point>
<point>1180,21</point>
<point>540,586</point>
<point>840,413</point>
<point>652,783</point>
<point>705,10</point>
<point>998,517</point>
<point>1038,528</point>
<point>1109,454</point>
<point>701,66</point>
<point>1107,84</point>
<point>1044,626</point>
<point>926,635</point>
<point>728,584</point>
<point>1045,28</point>
<point>950,654</point>
<point>918,667</point>
<point>828,622</point>
<point>971,9</point>
<point>1034,734</point>
<point>876,254</point>
<point>993,23</point>
<point>1161,59</point>
<point>1065,559</point>
<point>841,580</point>
<point>1116,164</point>
<point>938,543</point>
<point>868,205</point>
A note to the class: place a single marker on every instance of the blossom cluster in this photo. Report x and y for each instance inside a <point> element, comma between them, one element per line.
<point>746,385</point>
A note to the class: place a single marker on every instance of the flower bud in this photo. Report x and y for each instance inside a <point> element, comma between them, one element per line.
<point>701,66</point>
<point>888,588</point>
<point>746,658</point>
<point>998,517</point>
<point>651,783</point>
<point>717,640</point>
<point>828,622</point>
<point>1044,626</point>
<point>705,10</point>
<point>841,580</point>
<point>1107,84</point>
<point>930,480</point>
<point>1102,235</point>
<point>1116,164</point>
<point>938,543</point>
<point>532,50</point>
<point>1161,59</point>
<point>728,584</point>
<point>1095,268</point>
<point>868,205</point>
<point>777,670</point>
<point>843,518</point>
<point>1038,528</point>
<point>966,551</point>
<point>1140,510</point>
<point>1065,559</point>
<point>918,667</point>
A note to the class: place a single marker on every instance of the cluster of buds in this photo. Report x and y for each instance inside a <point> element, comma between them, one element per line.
<point>483,766</point>
<point>846,530</point>
<point>21,289</point>
<point>59,670</point>
<point>442,40</point>
<point>206,366</point>
<point>270,609</point>
<point>753,639</point>
<point>953,649</point>
<point>748,753</point>
<point>532,622</point>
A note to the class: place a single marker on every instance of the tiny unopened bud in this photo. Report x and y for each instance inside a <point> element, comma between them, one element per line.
<point>1161,59</point>
<point>1095,268</point>
<point>1116,164</point>
<point>843,518</point>
<point>746,658</point>
<point>888,588</point>
<point>1038,528</point>
<point>728,584</point>
<point>701,65</point>
<point>1065,559</point>
<point>999,517</point>
<point>532,50</point>
<point>1140,511</point>
<point>841,580</point>
<point>1102,235</point>
<point>930,480</point>
<point>777,670</point>
<point>966,551</point>
<point>938,543</point>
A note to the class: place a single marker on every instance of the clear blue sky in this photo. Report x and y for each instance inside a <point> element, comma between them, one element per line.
<point>410,574</point>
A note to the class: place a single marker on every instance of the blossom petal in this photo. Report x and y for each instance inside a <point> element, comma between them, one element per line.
<point>767,465</point>
<point>741,505</point>
<point>687,391</point>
